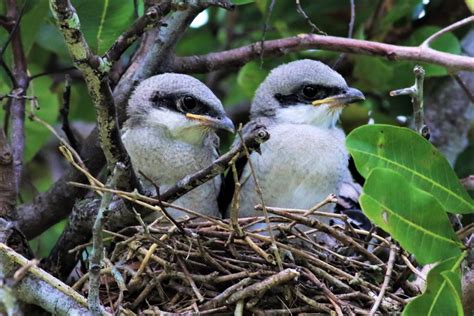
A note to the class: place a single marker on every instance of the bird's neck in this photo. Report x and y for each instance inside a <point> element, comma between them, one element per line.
<point>307,115</point>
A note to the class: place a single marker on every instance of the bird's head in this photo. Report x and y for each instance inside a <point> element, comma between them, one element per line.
<point>180,104</point>
<point>304,92</point>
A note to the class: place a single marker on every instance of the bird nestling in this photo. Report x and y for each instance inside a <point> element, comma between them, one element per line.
<point>305,158</point>
<point>170,133</point>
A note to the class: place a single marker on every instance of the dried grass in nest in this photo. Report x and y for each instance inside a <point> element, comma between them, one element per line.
<point>208,269</point>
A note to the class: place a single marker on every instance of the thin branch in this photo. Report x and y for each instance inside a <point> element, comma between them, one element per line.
<point>252,140</point>
<point>240,56</point>
<point>416,94</point>
<point>64,113</point>
<point>388,275</point>
<point>464,86</point>
<point>452,27</point>
<point>97,244</point>
<point>150,19</point>
<point>314,27</point>
<point>349,32</point>
<point>265,28</point>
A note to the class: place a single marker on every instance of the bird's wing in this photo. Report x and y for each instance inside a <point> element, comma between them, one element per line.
<point>228,185</point>
<point>348,202</point>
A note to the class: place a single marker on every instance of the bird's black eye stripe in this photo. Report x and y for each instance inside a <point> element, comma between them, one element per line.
<point>306,94</point>
<point>182,103</point>
<point>318,92</point>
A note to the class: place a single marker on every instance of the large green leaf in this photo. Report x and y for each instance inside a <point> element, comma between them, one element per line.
<point>102,21</point>
<point>443,291</point>
<point>470,5</point>
<point>31,22</point>
<point>413,217</point>
<point>250,77</point>
<point>406,152</point>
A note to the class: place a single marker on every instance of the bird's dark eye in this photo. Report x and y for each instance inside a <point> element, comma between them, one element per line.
<point>188,103</point>
<point>309,92</point>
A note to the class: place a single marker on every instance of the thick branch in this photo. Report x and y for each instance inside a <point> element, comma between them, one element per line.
<point>94,70</point>
<point>17,104</point>
<point>40,288</point>
<point>240,56</point>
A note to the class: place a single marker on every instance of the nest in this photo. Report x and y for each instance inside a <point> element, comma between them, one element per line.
<point>214,266</point>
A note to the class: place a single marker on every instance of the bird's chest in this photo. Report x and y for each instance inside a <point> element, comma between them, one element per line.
<point>163,159</point>
<point>303,162</point>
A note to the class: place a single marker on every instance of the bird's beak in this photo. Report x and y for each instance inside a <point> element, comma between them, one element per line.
<point>223,123</point>
<point>351,95</point>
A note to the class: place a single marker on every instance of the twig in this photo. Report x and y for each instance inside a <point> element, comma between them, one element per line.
<point>97,245</point>
<point>136,277</point>
<point>300,10</point>
<point>265,29</point>
<point>416,94</point>
<point>452,27</point>
<point>276,280</point>
<point>235,203</point>
<point>388,274</point>
<point>190,280</point>
<point>220,299</point>
<point>313,303</point>
<point>349,32</point>
<point>312,222</point>
<point>252,140</point>
<point>260,195</point>
<point>331,198</point>
<point>64,113</point>
<point>413,268</point>
<point>464,86</point>
<point>150,19</point>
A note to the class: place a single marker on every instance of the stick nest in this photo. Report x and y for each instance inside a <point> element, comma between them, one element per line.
<point>206,267</point>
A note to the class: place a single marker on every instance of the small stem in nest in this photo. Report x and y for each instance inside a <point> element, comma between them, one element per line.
<point>97,255</point>
<point>265,213</point>
<point>416,93</point>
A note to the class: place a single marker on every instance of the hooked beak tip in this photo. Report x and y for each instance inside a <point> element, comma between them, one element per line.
<point>226,124</point>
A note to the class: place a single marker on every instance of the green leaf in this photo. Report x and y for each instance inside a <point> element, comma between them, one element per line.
<point>406,152</point>
<point>442,294</point>
<point>31,22</point>
<point>242,2</point>
<point>470,5</point>
<point>413,217</point>
<point>250,77</point>
<point>448,42</point>
<point>102,21</point>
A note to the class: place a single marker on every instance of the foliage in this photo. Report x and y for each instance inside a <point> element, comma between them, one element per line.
<point>409,188</point>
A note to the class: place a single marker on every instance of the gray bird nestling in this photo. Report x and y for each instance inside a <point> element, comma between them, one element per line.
<point>170,133</point>
<point>305,158</point>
